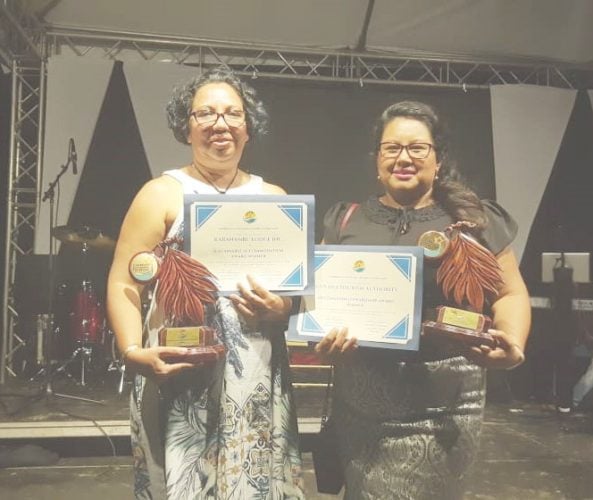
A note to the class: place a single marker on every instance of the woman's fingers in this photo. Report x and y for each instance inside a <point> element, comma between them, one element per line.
<point>350,344</point>
<point>243,306</point>
<point>160,363</point>
<point>326,342</point>
<point>506,353</point>
<point>336,341</point>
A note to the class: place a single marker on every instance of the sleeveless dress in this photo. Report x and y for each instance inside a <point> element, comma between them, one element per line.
<point>225,431</point>
<point>408,423</point>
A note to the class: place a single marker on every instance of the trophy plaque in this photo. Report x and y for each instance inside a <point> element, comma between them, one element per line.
<point>459,325</point>
<point>469,276</point>
<point>201,342</point>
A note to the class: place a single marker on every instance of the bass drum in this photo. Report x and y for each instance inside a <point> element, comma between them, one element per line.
<point>87,316</point>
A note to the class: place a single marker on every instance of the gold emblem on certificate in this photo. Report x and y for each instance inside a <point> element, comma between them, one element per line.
<point>470,276</point>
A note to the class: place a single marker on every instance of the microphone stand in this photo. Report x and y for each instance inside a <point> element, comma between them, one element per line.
<point>47,390</point>
<point>562,309</point>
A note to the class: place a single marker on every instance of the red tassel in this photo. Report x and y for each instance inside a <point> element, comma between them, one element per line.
<point>185,288</point>
<point>469,272</point>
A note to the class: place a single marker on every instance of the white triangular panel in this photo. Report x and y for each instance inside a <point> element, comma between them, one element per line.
<point>150,85</point>
<point>75,91</point>
<point>528,124</point>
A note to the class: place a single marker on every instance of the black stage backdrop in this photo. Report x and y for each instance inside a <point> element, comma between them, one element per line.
<point>563,223</point>
<point>319,142</point>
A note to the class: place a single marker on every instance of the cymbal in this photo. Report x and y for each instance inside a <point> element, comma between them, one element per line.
<point>81,235</point>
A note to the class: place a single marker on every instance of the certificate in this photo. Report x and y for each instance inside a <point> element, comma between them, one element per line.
<point>375,291</point>
<point>268,236</point>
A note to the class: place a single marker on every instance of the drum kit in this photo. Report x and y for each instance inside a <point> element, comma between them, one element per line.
<point>80,328</point>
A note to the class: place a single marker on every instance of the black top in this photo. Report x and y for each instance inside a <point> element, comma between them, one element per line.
<point>373,223</point>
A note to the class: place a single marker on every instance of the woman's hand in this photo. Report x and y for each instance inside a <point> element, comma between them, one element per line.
<point>335,343</point>
<point>158,363</point>
<point>506,355</point>
<point>259,303</point>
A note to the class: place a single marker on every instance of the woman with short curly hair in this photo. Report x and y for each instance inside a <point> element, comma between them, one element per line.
<point>226,430</point>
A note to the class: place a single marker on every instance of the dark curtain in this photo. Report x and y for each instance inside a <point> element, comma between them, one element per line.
<point>115,169</point>
<point>320,137</point>
<point>562,224</point>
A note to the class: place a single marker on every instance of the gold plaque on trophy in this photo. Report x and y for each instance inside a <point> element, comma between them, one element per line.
<point>459,325</point>
<point>201,342</point>
<point>186,336</point>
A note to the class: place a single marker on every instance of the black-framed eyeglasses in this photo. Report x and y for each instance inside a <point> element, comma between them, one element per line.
<point>208,117</point>
<point>416,151</point>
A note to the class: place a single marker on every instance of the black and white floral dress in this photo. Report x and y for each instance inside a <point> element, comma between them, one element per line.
<point>228,431</point>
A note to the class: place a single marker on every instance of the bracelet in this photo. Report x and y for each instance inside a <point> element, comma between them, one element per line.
<point>516,346</point>
<point>128,350</point>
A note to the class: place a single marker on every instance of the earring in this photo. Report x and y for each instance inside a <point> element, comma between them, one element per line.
<point>378,177</point>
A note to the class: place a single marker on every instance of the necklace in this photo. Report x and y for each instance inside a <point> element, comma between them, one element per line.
<point>218,190</point>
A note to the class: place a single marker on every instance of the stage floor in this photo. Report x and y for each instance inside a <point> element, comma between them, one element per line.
<point>527,451</point>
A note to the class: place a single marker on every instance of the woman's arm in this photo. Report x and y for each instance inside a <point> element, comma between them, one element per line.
<point>511,319</point>
<point>145,225</point>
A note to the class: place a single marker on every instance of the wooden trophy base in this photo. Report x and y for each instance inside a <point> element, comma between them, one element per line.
<point>201,343</point>
<point>460,326</point>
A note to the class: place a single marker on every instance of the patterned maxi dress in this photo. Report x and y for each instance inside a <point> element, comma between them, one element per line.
<point>227,431</point>
<point>408,423</point>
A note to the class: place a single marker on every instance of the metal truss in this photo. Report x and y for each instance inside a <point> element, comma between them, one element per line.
<point>336,66</point>
<point>21,35</point>
<point>26,141</point>
<point>22,41</point>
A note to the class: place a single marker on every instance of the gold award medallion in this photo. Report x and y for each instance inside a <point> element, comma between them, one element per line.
<point>434,243</point>
<point>144,267</point>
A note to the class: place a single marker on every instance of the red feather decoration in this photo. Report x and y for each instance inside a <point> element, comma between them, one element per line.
<point>184,288</point>
<point>469,273</point>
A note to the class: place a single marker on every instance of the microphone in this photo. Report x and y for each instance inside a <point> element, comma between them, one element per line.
<point>72,156</point>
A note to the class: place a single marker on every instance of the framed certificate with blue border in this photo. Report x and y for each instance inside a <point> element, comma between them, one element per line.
<point>375,291</point>
<point>268,236</point>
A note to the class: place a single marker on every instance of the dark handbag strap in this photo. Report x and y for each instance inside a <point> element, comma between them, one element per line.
<point>347,215</point>
<point>326,401</point>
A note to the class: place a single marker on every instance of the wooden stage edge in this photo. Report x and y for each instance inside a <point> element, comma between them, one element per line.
<point>97,428</point>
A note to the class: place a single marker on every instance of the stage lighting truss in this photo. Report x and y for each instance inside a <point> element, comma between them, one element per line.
<point>22,52</point>
<point>307,64</point>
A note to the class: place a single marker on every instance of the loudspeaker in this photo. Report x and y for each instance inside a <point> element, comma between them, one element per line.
<point>31,284</point>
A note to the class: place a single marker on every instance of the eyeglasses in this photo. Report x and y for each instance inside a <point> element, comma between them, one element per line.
<point>207,117</point>
<point>416,151</point>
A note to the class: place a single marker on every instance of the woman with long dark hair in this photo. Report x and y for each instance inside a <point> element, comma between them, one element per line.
<point>408,423</point>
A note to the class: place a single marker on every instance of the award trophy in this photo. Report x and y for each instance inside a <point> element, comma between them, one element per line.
<point>469,274</point>
<point>184,289</point>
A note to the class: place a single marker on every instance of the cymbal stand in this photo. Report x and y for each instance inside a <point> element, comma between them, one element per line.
<point>121,368</point>
<point>47,389</point>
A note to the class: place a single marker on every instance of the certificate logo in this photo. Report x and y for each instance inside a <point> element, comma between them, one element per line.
<point>249,216</point>
<point>358,266</point>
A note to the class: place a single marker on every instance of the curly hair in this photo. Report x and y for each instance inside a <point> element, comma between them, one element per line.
<point>449,190</point>
<point>179,106</point>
